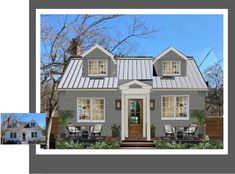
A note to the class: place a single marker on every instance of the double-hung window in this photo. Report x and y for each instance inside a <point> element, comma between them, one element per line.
<point>97,67</point>
<point>170,68</point>
<point>13,135</point>
<point>175,107</point>
<point>34,134</point>
<point>90,109</point>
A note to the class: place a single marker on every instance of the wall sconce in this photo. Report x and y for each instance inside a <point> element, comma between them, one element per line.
<point>118,104</point>
<point>152,104</point>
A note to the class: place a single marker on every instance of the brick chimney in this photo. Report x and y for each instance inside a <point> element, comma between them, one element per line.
<point>76,48</point>
<point>9,122</point>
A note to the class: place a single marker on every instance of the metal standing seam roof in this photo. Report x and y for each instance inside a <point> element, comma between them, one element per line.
<point>130,69</point>
<point>192,80</point>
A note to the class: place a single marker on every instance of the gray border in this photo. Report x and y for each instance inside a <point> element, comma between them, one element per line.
<point>128,163</point>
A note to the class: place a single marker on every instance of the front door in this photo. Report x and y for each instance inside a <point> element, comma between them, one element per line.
<point>135,118</point>
<point>23,137</point>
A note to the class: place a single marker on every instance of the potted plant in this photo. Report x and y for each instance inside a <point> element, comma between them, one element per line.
<point>200,121</point>
<point>64,118</point>
<point>153,130</point>
<point>115,130</point>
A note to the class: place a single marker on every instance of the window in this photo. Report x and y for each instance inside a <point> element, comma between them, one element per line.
<point>168,107</point>
<point>171,68</point>
<point>32,124</point>
<point>97,67</point>
<point>14,124</point>
<point>34,134</point>
<point>135,111</point>
<point>175,107</point>
<point>90,109</point>
<point>182,107</point>
<point>13,135</point>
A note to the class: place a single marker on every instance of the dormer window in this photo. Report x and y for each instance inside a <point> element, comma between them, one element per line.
<point>32,124</point>
<point>170,68</point>
<point>14,124</point>
<point>97,67</point>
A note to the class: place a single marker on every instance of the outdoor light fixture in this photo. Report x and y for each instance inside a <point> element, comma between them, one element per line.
<point>152,104</point>
<point>118,104</point>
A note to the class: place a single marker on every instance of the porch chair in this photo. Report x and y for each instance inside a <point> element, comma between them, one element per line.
<point>96,130</point>
<point>169,130</point>
<point>73,131</point>
<point>191,130</point>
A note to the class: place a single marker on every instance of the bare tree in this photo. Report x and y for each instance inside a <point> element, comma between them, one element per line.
<point>57,32</point>
<point>6,120</point>
<point>214,100</point>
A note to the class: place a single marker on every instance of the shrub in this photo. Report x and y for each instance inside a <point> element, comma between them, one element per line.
<point>202,145</point>
<point>106,144</point>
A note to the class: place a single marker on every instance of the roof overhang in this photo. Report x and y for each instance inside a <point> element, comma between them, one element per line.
<point>102,49</point>
<point>167,51</point>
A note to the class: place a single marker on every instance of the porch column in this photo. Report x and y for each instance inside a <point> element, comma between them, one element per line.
<point>148,116</point>
<point>123,117</point>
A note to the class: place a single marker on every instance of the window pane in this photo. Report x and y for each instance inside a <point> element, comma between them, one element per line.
<point>102,68</point>
<point>168,107</point>
<point>166,67</point>
<point>97,67</point>
<point>84,109</point>
<point>92,67</point>
<point>182,106</point>
<point>175,68</point>
<point>97,109</point>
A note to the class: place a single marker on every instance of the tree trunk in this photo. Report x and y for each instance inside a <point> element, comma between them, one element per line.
<point>49,128</point>
<point>49,132</point>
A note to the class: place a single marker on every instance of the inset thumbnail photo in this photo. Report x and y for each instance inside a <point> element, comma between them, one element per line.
<point>23,128</point>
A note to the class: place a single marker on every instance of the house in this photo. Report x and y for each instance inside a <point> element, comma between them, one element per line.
<point>24,132</point>
<point>134,92</point>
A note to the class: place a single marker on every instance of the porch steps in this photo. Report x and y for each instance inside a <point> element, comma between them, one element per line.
<point>137,144</point>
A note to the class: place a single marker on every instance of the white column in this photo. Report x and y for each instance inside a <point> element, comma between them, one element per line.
<point>144,115</point>
<point>126,115</point>
<point>148,117</point>
<point>122,117</point>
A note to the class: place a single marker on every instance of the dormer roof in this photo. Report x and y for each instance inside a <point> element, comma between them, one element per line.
<point>101,49</point>
<point>167,51</point>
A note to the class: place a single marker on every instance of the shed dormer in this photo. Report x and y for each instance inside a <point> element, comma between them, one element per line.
<point>170,63</point>
<point>98,63</point>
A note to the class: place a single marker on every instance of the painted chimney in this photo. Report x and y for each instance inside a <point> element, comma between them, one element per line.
<point>76,48</point>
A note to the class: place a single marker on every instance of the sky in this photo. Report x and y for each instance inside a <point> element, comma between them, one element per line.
<point>194,35</point>
<point>40,118</point>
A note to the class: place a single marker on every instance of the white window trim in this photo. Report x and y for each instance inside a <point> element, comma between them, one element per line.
<point>175,118</point>
<point>13,135</point>
<point>172,74</point>
<point>91,120</point>
<point>97,75</point>
<point>34,135</point>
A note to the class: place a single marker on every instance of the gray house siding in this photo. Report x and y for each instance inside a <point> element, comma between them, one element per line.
<point>68,101</point>
<point>171,55</point>
<point>196,102</point>
<point>98,54</point>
